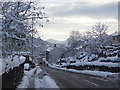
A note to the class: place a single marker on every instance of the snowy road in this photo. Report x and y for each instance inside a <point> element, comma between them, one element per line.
<point>65,79</point>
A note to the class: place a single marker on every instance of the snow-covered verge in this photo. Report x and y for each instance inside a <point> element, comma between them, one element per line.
<point>36,78</point>
<point>26,78</point>
<point>113,58</point>
<point>46,82</point>
<point>105,75</point>
<point>96,63</point>
<point>49,83</point>
<point>10,63</point>
<point>45,61</point>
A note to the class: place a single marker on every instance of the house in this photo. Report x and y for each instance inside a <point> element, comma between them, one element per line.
<point>116,38</point>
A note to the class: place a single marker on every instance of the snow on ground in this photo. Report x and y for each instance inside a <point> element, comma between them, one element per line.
<point>39,83</point>
<point>80,47</point>
<point>10,63</point>
<point>36,78</point>
<point>24,83</point>
<point>70,59</point>
<point>108,75</point>
<point>30,58</point>
<point>108,64</point>
<point>29,73</point>
<point>84,61</point>
<point>44,60</point>
<point>95,63</point>
<point>26,66</point>
<point>49,83</point>
<point>46,82</point>
<point>114,58</point>
<point>49,49</point>
<point>39,70</point>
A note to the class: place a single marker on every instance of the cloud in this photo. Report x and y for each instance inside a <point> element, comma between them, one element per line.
<point>67,16</point>
<point>88,9</point>
<point>51,34</point>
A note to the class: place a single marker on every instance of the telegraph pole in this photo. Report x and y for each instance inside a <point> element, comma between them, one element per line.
<point>32,36</point>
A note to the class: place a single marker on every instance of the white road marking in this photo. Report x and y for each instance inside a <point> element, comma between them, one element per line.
<point>91,82</point>
<point>99,78</point>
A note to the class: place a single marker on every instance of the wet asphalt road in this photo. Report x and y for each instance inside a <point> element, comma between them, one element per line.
<point>65,79</point>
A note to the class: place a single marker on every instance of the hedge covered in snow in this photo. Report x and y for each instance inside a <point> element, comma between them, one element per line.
<point>10,63</point>
<point>108,64</point>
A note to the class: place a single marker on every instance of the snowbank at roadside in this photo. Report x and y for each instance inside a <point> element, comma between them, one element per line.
<point>41,80</point>
<point>26,78</point>
<point>46,82</point>
<point>106,75</point>
<point>49,82</point>
<point>108,64</point>
<point>24,83</point>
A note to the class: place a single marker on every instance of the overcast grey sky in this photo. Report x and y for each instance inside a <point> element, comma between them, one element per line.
<point>67,16</point>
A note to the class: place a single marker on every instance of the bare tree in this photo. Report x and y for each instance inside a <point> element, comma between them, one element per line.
<point>74,38</point>
<point>100,32</point>
<point>74,41</point>
<point>96,39</point>
<point>17,24</point>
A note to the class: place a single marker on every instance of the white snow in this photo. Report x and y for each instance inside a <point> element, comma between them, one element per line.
<point>13,36</point>
<point>39,83</point>
<point>39,70</point>
<point>30,58</point>
<point>39,79</point>
<point>108,64</point>
<point>114,58</point>
<point>79,47</point>
<point>49,49</point>
<point>24,83</point>
<point>26,66</point>
<point>108,75</point>
<point>92,56</point>
<point>29,73</point>
<point>26,78</point>
<point>10,63</point>
<point>44,60</point>
<point>84,61</point>
<point>108,46</point>
<point>49,83</point>
<point>69,59</point>
<point>89,72</point>
<point>46,82</point>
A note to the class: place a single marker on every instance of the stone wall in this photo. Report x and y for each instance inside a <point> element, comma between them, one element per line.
<point>13,78</point>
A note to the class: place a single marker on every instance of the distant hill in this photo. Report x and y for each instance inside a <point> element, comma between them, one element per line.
<point>56,41</point>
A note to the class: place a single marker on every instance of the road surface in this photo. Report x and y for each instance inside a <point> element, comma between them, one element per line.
<point>65,79</point>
